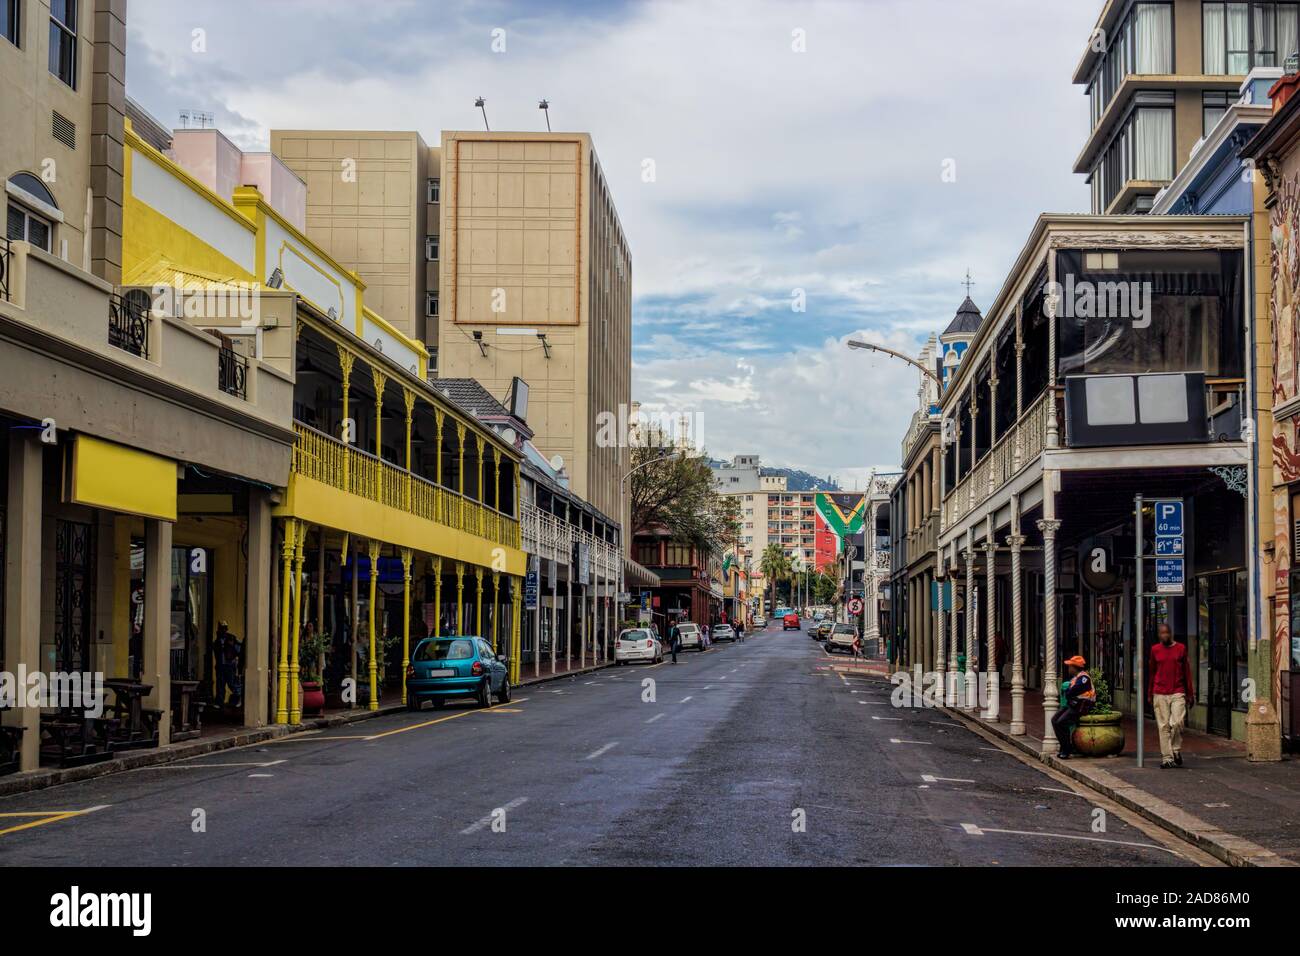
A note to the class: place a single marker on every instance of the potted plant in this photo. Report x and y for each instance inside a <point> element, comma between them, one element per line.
<point>1100,733</point>
<point>311,653</point>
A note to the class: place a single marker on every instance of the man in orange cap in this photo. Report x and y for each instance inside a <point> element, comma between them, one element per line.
<point>1079,698</point>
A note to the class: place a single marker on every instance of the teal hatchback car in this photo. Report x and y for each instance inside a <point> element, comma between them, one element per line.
<point>444,668</point>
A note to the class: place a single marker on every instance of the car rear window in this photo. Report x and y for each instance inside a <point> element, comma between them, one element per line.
<point>843,629</point>
<point>452,650</point>
<point>634,636</point>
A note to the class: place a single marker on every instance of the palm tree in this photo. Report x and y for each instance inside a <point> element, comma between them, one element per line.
<point>775,565</point>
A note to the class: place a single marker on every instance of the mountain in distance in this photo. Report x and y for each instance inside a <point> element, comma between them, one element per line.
<point>799,480</point>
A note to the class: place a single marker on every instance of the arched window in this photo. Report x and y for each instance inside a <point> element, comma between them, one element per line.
<point>25,220</point>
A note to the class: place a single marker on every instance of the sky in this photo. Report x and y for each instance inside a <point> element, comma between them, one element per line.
<point>789,175</point>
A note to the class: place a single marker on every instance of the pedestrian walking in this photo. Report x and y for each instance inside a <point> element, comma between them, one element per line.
<point>1079,698</point>
<point>228,650</point>
<point>1169,685</point>
<point>675,639</point>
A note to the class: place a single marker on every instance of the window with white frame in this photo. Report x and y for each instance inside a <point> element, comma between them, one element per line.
<point>431,304</point>
<point>431,248</point>
<point>435,189</point>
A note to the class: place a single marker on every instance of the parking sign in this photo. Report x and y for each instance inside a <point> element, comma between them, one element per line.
<point>1169,575</point>
<point>1169,518</point>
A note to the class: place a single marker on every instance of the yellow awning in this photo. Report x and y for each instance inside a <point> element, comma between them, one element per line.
<point>103,474</point>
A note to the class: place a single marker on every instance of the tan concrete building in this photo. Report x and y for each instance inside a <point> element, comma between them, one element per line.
<point>537,283</point>
<point>372,204</point>
<point>504,253</point>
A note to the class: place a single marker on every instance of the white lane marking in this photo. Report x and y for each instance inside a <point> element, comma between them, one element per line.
<point>708,687</point>
<point>487,820</point>
<point>944,723</point>
<point>974,830</point>
<point>1059,790</point>
<point>923,743</point>
<point>874,717</point>
<point>929,778</point>
<point>590,683</point>
<point>261,775</point>
<point>873,703</point>
<point>723,677</point>
<point>185,765</point>
<point>605,749</point>
<point>684,700</point>
<point>656,717</point>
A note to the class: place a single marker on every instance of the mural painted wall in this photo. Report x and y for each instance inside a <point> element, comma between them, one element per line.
<point>838,515</point>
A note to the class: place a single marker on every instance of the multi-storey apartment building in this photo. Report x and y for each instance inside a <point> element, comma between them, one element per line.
<point>1158,77</point>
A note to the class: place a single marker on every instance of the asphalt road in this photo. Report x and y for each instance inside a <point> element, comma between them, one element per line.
<point>760,753</point>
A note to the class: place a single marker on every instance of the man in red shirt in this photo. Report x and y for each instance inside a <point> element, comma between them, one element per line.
<point>1169,685</point>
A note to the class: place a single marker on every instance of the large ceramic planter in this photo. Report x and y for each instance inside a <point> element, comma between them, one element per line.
<point>1100,735</point>
<point>313,697</point>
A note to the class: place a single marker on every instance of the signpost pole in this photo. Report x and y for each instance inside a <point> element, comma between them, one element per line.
<point>1139,631</point>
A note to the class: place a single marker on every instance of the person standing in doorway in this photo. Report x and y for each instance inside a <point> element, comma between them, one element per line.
<point>1169,685</point>
<point>228,650</point>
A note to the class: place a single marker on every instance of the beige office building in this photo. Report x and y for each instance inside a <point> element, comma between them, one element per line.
<point>537,283</point>
<point>372,204</point>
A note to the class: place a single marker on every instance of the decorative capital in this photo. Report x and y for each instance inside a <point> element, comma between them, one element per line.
<point>379,379</point>
<point>437,564</point>
<point>374,547</point>
<point>1015,541</point>
<point>478,574</point>
<point>290,538</point>
<point>406,563</point>
<point>408,397</point>
<point>989,547</point>
<point>346,359</point>
<point>1049,526</point>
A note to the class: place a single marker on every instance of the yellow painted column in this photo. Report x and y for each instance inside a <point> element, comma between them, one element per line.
<point>478,484</point>
<point>460,596</point>
<point>286,598</point>
<point>295,684</point>
<point>380,381</point>
<point>408,397</point>
<point>438,416</point>
<point>349,431</point>
<point>496,475</point>
<point>516,603</point>
<point>496,584</point>
<point>478,602</point>
<point>460,467</point>
<point>372,665</point>
<point>437,596</point>
<point>406,616</point>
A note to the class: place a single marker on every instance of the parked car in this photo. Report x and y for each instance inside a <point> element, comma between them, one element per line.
<point>690,636</point>
<point>790,622</point>
<point>760,622</point>
<point>638,644</point>
<point>444,668</point>
<point>841,638</point>
<point>723,632</point>
<point>822,630</point>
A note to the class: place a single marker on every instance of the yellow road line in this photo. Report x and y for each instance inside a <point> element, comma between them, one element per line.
<point>439,720</point>
<point>46,816</point>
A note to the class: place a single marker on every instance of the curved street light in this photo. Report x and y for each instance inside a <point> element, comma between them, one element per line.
<point>871,347</point>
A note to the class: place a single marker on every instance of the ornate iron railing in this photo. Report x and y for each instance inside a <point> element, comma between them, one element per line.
<point>1019,446</point>
<point>324,458</point>
<point>232,372</point>
<point>128,325</point>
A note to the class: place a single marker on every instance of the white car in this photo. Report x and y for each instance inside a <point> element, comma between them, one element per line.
<point>760,622</point>
<point>638,644</point>
<point>723,632</point>
<point>841,638</point>
<point>690,636</point>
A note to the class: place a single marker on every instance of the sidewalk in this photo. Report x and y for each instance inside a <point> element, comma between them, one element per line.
<point>1245,814</point>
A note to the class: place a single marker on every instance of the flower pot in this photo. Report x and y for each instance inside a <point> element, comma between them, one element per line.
<point>313,697</point>
<point>1100,735</point>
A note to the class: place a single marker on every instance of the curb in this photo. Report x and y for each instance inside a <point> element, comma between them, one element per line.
<point>547,678</point>
<point>133,760</point>
<point>1224,846</point>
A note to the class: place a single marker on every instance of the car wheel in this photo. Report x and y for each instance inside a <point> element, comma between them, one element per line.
<point>503,696</point>
<point>485,693</point>
<point>412,702</point>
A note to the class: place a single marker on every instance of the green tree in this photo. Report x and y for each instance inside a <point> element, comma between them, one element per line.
<point>775,565</point>
<point>672,492</point>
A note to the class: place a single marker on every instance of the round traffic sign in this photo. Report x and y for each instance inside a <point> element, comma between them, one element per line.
<point>855,606</point>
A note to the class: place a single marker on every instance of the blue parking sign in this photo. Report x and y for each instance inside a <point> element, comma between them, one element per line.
<point>1169,546</point>
<point>1169,518</point>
